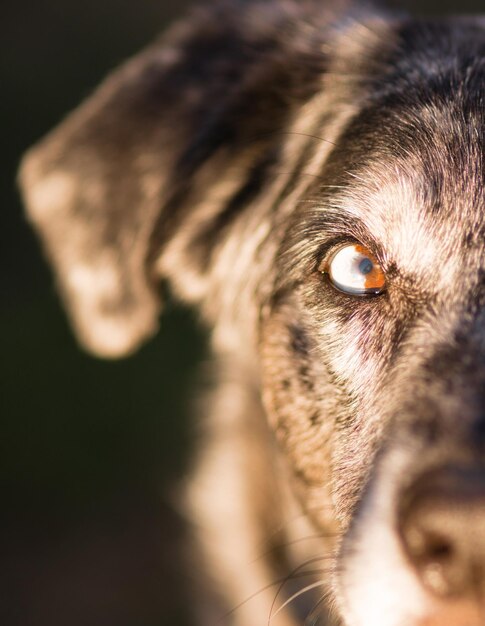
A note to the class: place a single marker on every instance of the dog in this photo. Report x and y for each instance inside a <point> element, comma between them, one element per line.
<point>309,175</point>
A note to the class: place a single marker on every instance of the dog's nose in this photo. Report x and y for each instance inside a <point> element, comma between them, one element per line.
<point>442,528</point>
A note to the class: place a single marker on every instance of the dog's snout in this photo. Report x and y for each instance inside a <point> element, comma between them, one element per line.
<point>442,528</point>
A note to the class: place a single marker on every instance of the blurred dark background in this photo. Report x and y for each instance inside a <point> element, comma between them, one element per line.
<point>90,452</point>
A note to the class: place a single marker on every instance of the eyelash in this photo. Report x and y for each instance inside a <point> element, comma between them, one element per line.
<point>329,248</point>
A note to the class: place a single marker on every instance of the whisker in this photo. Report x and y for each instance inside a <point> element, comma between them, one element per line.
<point>356,176</point>
<point>309,136</point>
<point>289,577</point>
<point>293,520</point>
<point>297,595</point>
<point>293,542</point>
<point>315,613</point>
<point>315,572</point>
<point>286,173</point>
<point>296,133</point>
<point>322,187</point>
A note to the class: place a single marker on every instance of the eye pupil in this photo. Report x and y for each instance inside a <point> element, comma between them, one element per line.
<point>366,266</point>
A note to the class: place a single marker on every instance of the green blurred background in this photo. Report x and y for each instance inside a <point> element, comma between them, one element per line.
<point>90,452</point>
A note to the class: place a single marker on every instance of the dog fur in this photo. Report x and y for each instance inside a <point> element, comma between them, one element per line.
<point>231,158</point>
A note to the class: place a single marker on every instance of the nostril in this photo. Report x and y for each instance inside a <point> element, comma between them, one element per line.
<point>427,546</point>
<point>432,555</point>
<point>438,550</point>
<point>441,525</point>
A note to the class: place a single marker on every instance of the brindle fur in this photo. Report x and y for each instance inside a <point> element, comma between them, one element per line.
<point>229,158</point>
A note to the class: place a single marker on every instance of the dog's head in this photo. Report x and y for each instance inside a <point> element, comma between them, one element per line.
<point>313,179</point>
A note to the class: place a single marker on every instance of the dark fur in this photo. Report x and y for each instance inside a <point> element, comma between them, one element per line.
<point>230,158</point>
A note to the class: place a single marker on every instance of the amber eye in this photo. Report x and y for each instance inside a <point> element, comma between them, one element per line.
<point>354,270</point>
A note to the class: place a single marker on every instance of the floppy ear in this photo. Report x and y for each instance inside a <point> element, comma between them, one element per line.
<point>178,136</point>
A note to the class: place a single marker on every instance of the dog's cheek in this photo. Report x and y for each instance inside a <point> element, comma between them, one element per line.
<point>302,423</point>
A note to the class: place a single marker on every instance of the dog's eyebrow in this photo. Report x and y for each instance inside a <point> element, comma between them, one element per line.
<point>385,209</point>
<point>337,212</point>
<point>392,213</point>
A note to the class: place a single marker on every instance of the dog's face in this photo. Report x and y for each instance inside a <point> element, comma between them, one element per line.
<point>316,184</point>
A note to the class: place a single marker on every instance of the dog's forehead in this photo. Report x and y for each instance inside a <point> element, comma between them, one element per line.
<point>411,162</point>
<point>426,207</point>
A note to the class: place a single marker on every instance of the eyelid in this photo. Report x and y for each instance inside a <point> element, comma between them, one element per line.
<point>337,244</point>
<point>330,249</point>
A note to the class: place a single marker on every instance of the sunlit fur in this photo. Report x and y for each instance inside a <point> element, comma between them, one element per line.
<point>231,158</point>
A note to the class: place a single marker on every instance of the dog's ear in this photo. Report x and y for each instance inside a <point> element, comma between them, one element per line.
<point>177,137</point>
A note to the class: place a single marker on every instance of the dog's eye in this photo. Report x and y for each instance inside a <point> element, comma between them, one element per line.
<point>354,270</point>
